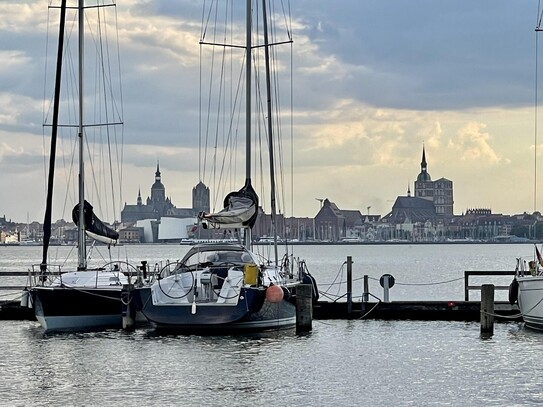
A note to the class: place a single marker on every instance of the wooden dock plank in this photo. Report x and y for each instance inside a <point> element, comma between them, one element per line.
<point>414,310</point>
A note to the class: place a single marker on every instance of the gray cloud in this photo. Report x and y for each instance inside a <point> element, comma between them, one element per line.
<point>428,54</point>
<point>376,75</point>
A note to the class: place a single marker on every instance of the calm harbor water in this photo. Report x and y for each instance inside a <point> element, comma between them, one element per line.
<point>359,362</point>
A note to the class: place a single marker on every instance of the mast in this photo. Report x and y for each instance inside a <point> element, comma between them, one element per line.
<point>82,252</point>
<point>270,134</point>
<point>248,68</point>
<point>54,133</point>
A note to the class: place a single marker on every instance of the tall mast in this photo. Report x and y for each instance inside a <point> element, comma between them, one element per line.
<point>270,133</point>
<point>82,252</point>
<point>54,133</point>
<point>248,45</point>
<point>248,68</point>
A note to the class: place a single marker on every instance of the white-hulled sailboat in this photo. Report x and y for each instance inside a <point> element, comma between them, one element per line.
<point>527,286</point>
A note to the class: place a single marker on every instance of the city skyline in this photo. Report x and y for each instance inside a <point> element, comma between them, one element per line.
<point>373,82</point>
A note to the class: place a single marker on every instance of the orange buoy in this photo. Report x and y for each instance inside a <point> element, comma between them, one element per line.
<point>274,294</point>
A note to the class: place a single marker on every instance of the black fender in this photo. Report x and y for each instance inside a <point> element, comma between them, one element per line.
<point>513,291</point>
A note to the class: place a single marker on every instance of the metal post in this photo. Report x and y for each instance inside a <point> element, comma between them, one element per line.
<point>365,294</point>
<point>349,285</point>
<point>386,288</point>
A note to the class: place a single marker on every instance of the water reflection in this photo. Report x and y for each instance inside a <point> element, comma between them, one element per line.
<point>339,363</point>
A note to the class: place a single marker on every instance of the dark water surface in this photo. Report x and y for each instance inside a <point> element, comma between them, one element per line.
<point>367,363</point>
<point>340,363</point>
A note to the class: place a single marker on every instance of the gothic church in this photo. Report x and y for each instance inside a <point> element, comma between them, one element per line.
<point>157,205</point>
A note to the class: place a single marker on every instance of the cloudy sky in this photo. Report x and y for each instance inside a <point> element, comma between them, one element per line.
<point>374,80</point>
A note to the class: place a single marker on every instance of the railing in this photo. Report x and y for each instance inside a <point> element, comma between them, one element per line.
<point>468,274</point>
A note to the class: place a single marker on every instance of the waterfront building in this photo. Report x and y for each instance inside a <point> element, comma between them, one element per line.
<point>131,234</point>
<point>334,224</point>
<point>482,224</point>
<point>329,222</point>
<point>299,229</point>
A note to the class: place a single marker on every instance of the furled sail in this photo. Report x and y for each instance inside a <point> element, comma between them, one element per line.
<point>94,227</point>
<point>240,210</point>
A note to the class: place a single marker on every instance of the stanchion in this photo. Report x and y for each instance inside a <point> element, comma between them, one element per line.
<point>349,286</point>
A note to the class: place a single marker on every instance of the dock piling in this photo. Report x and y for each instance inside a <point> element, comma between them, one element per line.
<point>128,309</point>
<point>487,310</point>
<point>304,308</point>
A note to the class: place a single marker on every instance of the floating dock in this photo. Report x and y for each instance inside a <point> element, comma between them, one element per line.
<point>394,310</point>
<point>12,310</point>
<point>414,310</point>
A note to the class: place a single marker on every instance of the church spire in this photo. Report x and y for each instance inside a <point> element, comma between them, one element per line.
<point>423,165</point>
<point>157,173</point>
<point>424,176</point>
<point>139,201</point>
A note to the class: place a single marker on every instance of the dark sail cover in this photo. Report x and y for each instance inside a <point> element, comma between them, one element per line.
<point>240,210</point>
<point>94,226</point>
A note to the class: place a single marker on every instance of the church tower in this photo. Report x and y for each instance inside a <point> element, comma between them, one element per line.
<point>440,192</point>
<point>158,202</point>
<point>424,187</point>
<point>158,192</point>
<point>200,198</point>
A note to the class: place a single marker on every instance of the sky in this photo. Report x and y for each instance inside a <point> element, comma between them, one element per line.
<point>373,81</point>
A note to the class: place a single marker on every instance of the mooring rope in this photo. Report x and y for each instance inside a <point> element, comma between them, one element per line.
<point>91,293</point>
<point>515,316</point>
<point>369,312</point>
<point>422,284</point>
<point>10,294</point>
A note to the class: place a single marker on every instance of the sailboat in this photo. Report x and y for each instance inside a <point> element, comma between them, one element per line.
<point>85,298</point>
<point>227,287</point>
<point>526,289</point>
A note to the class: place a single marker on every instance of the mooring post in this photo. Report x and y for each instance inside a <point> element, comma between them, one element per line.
<point>304,308</point>
<point>349,285</point>
<point>127,309</point>
<point>365,295</point>
<point>386,288</point>
<point>487,310</point>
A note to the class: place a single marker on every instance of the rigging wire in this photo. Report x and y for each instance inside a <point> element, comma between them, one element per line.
<point>221,113</point>
<point>109,108</point>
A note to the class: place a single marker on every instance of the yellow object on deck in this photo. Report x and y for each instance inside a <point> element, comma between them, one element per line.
<point>250,274</point>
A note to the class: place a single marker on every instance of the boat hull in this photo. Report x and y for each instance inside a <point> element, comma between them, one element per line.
<point>64,309</point>
<point>251,313</point>
<point>530,300</point>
